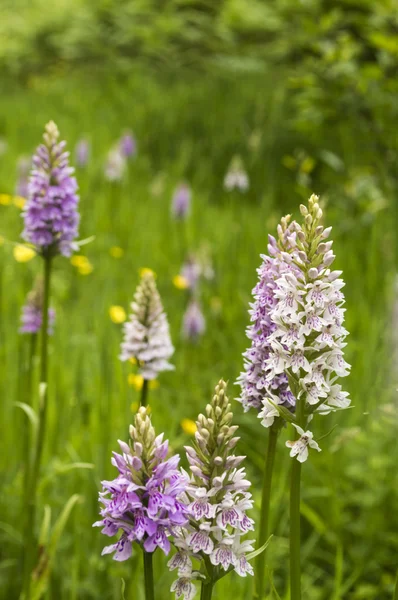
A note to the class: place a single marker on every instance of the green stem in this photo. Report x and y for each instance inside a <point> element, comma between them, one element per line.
<point>31,550</point>
<point>144,393</point>
<point>148,576</point>
<point>295,535</point>
<point>295,564</point>
<point>259,591</point>
<point>206,591</point>
<point>26,444</point>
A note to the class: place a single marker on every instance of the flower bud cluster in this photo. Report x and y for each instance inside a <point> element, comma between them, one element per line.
<point>143,501</point>
<point>146,334</point>
<point>218,500</point>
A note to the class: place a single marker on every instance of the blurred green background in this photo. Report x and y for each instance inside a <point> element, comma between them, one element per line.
<point>305,93</point>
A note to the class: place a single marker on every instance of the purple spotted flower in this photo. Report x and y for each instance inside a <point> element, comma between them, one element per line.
<point>50,215</point>
<point>219,497</point>
<point>128,145</point>
<point>256,384</point>
<point>181,201</point>
<point>32,317</point>
<point>143,502</point>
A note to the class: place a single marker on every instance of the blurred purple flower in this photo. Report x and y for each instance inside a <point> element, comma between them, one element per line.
<point>50,214</point>
<point>181,201</point>
<point>82,153</point>
<point>194,323</point>
<point>191,271</point>
<point>128,145</point>
<point>31,317</point>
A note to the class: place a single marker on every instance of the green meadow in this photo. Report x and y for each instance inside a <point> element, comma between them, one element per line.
<point>189,124</point>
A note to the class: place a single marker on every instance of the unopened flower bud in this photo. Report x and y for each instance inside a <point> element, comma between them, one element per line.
<point>326,232</point>
<point>303,210</point>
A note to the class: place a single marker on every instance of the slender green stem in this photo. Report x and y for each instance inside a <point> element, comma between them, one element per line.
<point>295,534</point>
<point>144,393</point>
<point>31,550</point>
<point>148,576</point>
<point>295,563</point>
<point>206,591</point>
<point>26,443</point>
<point>264,515</point>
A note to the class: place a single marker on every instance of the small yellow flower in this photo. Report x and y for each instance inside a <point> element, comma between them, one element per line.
<point>85,269</point>
<point>19,201</point>
<point>116,252</point>
<point>136,381</point>
<point>23,253</point>
<point>117,314</point>
<point>133,360</point>
<point>180,282</point>
<point>78,260</point>
<point>188,426</point>
<point>145,271</point>
<point>5,199</point>
<point>82,264</point>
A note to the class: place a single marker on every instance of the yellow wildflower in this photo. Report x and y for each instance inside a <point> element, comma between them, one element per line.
<point>5,199</point>
<point>23,253</point>
<point>133,360</point>
<point>137,381</point>
<point>116,252</point>
<point>19,201</point>
<point>145,271</point>
<point>79,260</point>
<point>117,314</point>
<point>180,282</point>
<point>86,268</point>
<point>188,426</point>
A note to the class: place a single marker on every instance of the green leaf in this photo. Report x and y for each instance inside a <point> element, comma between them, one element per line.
<point>30,413</point>
<point>273,589</point>
<point>47,552</point>
<point>45,526</point>
<point>60,469</point>
<point>259,550</point>
<point>283,412</point>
